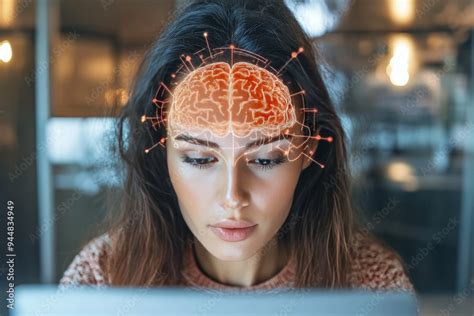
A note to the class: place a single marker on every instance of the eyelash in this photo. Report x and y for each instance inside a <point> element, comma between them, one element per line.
<point>198,162</point>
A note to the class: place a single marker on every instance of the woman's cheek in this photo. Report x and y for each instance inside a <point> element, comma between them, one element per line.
<point>192,189</point>
<point>275,193</point>
<point>195,192</point>
<point>192,201</point>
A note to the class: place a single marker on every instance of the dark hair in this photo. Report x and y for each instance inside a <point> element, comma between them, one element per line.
<point>150,228</point>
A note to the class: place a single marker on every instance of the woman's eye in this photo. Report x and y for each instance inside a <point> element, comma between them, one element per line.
<point>200,163</point>
<point>262,163</point>
<point>267,164</point>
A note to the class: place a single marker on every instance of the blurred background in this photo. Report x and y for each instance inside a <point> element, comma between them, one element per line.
<point>400,73</point>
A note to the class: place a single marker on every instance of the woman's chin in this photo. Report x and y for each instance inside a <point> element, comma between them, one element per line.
<point>226,251</point>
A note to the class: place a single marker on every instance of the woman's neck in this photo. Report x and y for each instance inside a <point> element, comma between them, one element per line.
<point>265,264</point>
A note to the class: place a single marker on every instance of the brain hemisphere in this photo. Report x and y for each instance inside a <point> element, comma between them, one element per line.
<point>237,99</point>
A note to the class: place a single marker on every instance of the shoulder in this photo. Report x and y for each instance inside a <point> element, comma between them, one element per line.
<point>376,266</point>
<point>87,266</point>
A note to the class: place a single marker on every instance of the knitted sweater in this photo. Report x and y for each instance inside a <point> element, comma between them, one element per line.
<point>375,267</point>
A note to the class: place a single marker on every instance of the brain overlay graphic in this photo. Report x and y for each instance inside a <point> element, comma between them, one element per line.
<point>234,99</point>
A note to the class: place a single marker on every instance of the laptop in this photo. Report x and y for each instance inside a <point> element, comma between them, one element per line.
<point>52,300</point>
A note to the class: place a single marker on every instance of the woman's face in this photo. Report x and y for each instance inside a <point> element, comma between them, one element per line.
<point>225,180</point>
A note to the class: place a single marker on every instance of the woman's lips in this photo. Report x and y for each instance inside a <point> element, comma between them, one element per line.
<point>233,234</point>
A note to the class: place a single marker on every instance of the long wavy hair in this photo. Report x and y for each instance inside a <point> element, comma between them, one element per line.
<point>146,226</point>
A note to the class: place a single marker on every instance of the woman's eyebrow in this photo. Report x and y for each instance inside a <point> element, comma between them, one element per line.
<point>268,140</point>
<point>196,141</point>
<point>258,142</point>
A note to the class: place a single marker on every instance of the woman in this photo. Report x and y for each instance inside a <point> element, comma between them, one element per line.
<point>202,208</point>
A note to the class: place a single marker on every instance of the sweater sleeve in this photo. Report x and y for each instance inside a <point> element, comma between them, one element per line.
<point>85,268</point>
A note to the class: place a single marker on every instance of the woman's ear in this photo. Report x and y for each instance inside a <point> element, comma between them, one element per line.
<point>309,150</point>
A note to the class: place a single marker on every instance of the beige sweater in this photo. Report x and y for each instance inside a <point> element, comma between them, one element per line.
<point>375,267</point>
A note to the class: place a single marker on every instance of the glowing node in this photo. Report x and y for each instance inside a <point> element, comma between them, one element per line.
<point>207,44</point>
<point>143,119</point>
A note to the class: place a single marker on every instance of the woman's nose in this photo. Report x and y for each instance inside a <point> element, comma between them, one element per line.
<point>234,194</point>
